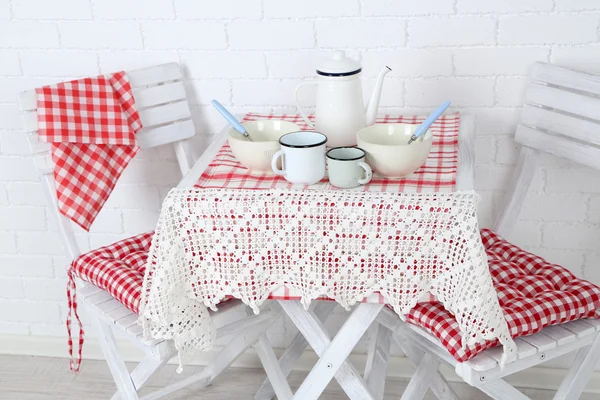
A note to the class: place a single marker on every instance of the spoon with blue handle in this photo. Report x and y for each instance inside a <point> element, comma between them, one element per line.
<point>429,121</point>
<point>231,119</point>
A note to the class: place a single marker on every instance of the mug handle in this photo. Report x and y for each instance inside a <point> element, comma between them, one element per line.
<point>278,171</point>
<point>304,116</point>
<point>368,173</point>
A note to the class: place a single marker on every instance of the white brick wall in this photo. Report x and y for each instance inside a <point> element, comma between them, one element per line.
<point>250,54</point>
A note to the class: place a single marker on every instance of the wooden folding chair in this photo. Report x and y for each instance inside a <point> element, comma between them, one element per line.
<point>561,116</point>
<point>165,114</point>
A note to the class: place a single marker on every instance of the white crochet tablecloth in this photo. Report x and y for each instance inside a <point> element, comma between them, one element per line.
<point>211,244</point>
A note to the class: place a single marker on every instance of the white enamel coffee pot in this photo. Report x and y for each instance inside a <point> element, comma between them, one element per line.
<point>340,112</point>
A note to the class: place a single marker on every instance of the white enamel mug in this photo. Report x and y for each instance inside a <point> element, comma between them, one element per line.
<point>347,167</point>
<point>302,157</point>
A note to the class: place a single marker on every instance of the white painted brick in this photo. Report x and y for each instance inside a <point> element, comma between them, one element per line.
<point>526,234</point>
<point>573,237</point>
<point>3,195</point>
<point>408,63</point>
<point>591,267</point>
<point>310,8</point>
<point>489,177</point>
<point>31,35</point>
<point>301,63</point>
<point>510,91</point>
<point>39,243</point>
<point>23,218</point>
<point>392,94</point>
<point>224,65</point>
<point>151,172</point>
<point>586,58</point>
<point>570,5</point>
<point>485,149</point>
<point>14,143</point>
<point>462,92</point>
<point>269,92</point>
<point>11,288</point>
<point>507,150</point>
<point>570,259</point>
<point>542,29</point>
<point>202,92</point>
<point>24,266</point>
<point>17,169</point>
<point>134,196</point>
<point>26,194</point>
<point>486,209</point>
<point>45,289</point>
<point>55,9</point>
<point>496,121</point>
<point>10,64</point>
<point>138,221</point>
<point>130,9</point>
<point>27,311</point>
<point>10,118</point>
<point>55,330</point>
<point>184,35</point>
<point>505,6</point>
<point>206,9</point>
<point>5,9</point>
<point>59,63</point>
<point>498,61</point>
<point>548,207</point>
<point>270,35</point>
<point>10,87</point>
<point>594,211</point>
<point>456,31</point>
<point>108,221</point>
<point>131,59</point>
<point>103,239</point>
<point>361,33</point>
<point>576,179</point>
<point>14,328</point>
<point>422,7</point>
<point>101,35</point>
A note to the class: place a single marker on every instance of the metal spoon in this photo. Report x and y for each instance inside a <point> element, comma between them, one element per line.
<point>429,121</point>
<point>231,119</point>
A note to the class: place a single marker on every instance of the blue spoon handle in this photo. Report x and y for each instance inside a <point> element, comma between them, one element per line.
<point>230,118</point>
<point>429,121</point>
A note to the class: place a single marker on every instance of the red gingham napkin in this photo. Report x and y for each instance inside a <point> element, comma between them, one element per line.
<point>91,124</point>
<point>438,174</point>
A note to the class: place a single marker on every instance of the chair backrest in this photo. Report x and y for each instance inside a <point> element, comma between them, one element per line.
<point>561,116</point>
<point>164,110</point>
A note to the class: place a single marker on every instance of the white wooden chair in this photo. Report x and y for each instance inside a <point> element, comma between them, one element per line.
<point>561,116</point>
<point>165,114</point>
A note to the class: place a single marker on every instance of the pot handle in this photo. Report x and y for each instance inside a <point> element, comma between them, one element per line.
<point>302,113</point>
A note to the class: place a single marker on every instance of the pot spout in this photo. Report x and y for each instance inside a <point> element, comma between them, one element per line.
<point>373,104</point>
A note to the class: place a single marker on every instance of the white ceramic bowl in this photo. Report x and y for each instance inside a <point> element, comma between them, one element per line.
<point>388,151</point>
<point>265,134</point>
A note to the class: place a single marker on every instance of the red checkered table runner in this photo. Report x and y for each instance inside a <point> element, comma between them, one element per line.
<point>438,174</point>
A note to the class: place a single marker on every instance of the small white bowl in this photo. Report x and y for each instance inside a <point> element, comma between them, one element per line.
<point>265,134</point>
<point>388,151</point>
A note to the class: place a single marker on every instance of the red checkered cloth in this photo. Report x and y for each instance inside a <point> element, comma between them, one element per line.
<point>533,293</point>
<point>91,124</point>
<point>438,174</point>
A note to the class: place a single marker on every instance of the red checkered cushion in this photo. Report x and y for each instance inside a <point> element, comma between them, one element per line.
<point>117,268</point>
<point>532,292</point>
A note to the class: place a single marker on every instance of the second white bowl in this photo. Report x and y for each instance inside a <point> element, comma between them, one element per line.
<point>388,151</point>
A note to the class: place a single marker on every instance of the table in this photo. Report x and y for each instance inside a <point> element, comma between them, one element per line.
<point>332,352</point>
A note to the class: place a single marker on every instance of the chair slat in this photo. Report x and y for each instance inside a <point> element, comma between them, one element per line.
<point>30,123</point>
<point>566,78</point>
<point>154,75</point>
<point>152,137</point>
<point>127,321</point>
<point>118,313</point>
<point>579,328</point>
<point>152,96</point>
<point>27,100</point>
<point>89,290</point>
<point>559,334</point>
<point>567,125</point>
<point>98,298</point>
<point>540,341</point>
<point>524,349</point>
<point>481,362</point>
<point>563,100</point>
<point>109,306</point>
<point>559,146</point>
<point>165,114</point>
<point>593,322</point>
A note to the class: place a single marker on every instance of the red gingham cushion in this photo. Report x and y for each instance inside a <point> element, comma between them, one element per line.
<point>117,268</point>
<point>532,292</point>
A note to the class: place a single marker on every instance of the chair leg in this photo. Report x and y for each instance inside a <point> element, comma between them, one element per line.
<point>117,366</point>
<point>294,351</point>
<point>580,372</point>
<point>377,360</point>
<point>143,372</point>
<point>419,383</point>
<point>498,389</point>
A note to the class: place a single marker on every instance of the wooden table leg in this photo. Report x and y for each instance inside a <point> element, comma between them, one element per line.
<point>377,360</point>
<point>332,353</point>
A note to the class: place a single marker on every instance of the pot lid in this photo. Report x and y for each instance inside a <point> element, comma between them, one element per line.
<point>339,65</point>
